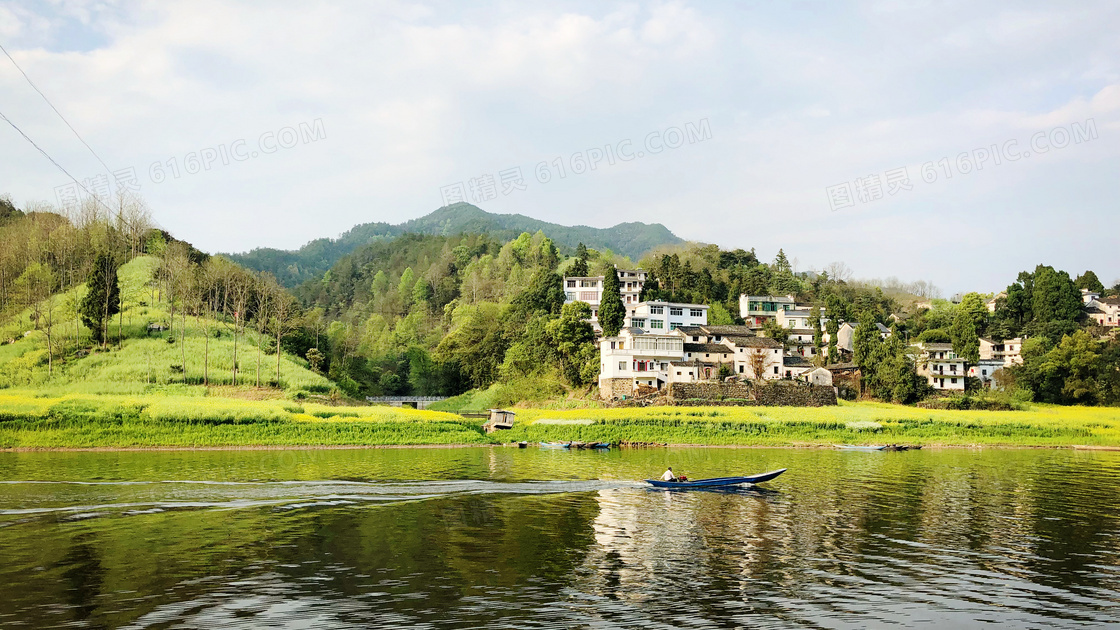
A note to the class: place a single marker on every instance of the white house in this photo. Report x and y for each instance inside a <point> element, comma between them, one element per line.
<point>985,369</point>
<point>941,367</point>
<point>1104,311</point>
<point>590,289</point>
<point>768,353</point>
<point>757,309</point>
<point>797,317</point>
<point>796,367</point>
<point>1088,296</point>
<point>1009,351</point>
<point>660,317</point>
<point>635,358</point>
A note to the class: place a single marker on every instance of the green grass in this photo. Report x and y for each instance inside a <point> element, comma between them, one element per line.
<point>141,360</point>
<point>31,420</point>
<point>850,423</point>
<point>186,418</point>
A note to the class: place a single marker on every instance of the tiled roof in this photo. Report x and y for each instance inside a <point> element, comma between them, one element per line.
<point>796,361</point>
<point>727,330</point>
<point>757,342</point>
<point>717,348</point>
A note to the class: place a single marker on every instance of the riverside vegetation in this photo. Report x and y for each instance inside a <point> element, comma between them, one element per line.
<point>177,348</point>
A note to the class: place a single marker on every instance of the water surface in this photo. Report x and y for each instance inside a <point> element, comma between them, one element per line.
<point>508,538</point>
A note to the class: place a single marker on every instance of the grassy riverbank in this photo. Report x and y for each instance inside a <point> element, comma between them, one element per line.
<point>189,418</point>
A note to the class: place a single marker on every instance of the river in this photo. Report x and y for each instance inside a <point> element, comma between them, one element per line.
<point>507,538</point>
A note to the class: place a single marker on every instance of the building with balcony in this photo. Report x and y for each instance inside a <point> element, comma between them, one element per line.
<point>661,317</point>
<point>634,360</point>
<point>590,289</point>
<point>940,366</point>
<point>1009,351</point>
<point>757,309</point>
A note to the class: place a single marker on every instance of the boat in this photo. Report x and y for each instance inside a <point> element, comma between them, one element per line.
<point>522,445</point>
<point>857,447</point>
<point>716,482</point>
<point>600,445</point>
<point>563,445</point>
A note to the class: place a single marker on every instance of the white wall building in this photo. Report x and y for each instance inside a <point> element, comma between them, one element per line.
<point>662,317</point>
<point>984,370</point>
<point>757,309</point>
<point>941,367</point>
<point>590,289</point>
<point>638,358</point>
<point>1009,351</point>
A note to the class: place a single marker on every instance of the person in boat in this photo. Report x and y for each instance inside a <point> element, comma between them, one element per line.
<point>669,476</point>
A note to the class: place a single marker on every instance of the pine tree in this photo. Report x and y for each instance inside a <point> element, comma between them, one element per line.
<point>579,268</point>
<point>103,299</point>
<point>612,313</point>
<point>966,342</point>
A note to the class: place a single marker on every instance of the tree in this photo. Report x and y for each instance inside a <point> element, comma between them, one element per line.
<point>866,341</point>
<point>781,263</point>
<point>545,294</point>
<point>284,312</point>
<point>756,359</point>
<point>579,268</point>
<point>833,328</point>
<point>1089,280</point>
<point>966,342</point>
<point>103,298</point>
<point>571,333</point>
<point>976,309</point>
<point>718,315</point>
<point>772,329</point>
<point>818,333</point>
<point>1053,296</point>
<point>612,313</point>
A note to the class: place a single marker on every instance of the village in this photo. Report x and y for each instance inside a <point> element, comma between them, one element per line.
<point>665,344</point>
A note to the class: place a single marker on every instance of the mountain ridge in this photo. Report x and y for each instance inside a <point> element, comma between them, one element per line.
<point>292,267</point>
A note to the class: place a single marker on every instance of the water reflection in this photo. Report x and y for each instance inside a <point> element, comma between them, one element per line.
<point>843,540</point>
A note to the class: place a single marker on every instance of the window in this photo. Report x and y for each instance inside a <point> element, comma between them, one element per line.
<point>621,366</point>
<point>657,310</point>
<point>695,339</point>
<point>589,296</point>
<point>673,325</point>
<point>612,345</point>
<point>638,323</point>
<point>695,312</point>
<point>589,283</point>
<point>775,369</point>
<point>953,381</point>
<point>570,296</point>
<point>718,338</point>
<point>656,323</point>
<point>571,284</point>
<point>676,310</point>
<point>740,369</point>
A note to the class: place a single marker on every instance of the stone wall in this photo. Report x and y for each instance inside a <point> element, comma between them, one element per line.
<point>775,394</point>
<point>712,390</point>
<point>615,388</point>
<point>772,394</point>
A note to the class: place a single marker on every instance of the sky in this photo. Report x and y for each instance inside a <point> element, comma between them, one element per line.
<point>953,142</point>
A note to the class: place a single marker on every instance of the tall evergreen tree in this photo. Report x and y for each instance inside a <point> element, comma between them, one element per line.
<point>1089,280</point>
<point>612,313</point>
<point>818,334</point>
<point>103,299</point>
<point>966,342</point>
<point>833,328</point>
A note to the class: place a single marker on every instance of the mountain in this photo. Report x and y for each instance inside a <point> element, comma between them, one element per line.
<point>315,258</point>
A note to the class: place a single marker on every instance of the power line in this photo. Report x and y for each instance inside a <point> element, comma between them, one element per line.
<point>52,160</point>
<point>36,88</point>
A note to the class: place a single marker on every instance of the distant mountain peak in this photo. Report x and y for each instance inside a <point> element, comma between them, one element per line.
<point>313,259</point>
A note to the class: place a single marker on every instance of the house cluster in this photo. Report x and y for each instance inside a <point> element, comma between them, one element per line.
<point>667,342</point>
<point>1103,311</point>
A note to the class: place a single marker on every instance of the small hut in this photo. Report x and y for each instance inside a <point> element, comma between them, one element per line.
<point>499,419</point>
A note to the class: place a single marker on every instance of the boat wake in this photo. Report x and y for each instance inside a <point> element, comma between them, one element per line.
<point>76,500</point>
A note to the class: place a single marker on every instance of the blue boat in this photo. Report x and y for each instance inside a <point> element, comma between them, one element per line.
<point>564,445</point>
<point>857,447</point>
<point>717,481</point>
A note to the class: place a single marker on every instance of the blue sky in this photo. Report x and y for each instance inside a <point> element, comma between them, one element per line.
<point>401,102</point>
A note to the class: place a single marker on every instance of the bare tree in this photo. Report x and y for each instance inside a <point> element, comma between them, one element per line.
<point>756,358</point>
<point>838,271</point>
<point>237,291</point>
<point>263,300</point>
<point>284,310</point>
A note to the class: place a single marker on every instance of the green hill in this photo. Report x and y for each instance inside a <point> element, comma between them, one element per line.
<point>315,258</point>
<point>143,361</point>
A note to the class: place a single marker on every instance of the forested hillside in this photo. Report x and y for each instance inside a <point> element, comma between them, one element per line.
<point>313,259</point>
